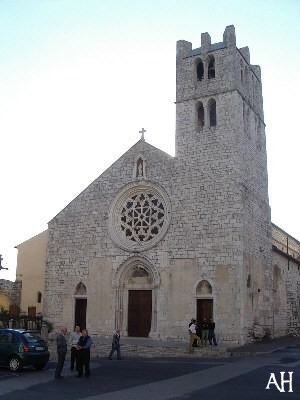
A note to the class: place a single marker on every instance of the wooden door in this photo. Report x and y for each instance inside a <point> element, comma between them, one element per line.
<point>139,312</point>
<point>204,309</point>
<point>80,313</point>
<point>14,311</point>
<point>32,312</point>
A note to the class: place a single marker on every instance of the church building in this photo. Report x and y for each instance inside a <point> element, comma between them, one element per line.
<point>156,240</point>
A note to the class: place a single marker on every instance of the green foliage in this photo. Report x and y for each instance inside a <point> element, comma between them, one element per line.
<point>4,317</point>
<point>49,325</point>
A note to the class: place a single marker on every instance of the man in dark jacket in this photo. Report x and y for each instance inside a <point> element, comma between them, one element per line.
<point>61,344</point>
<point>84,349</point>
<point>204,326</point>
<point>115,345</point>
<point>211,332</point>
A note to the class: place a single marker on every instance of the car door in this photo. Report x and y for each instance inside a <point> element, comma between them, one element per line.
<point>6,345</point>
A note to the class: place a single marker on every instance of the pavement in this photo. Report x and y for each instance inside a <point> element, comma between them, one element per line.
<point>190,377</point>
<point>266,346</point>
<point>133,347</point>
<point>147,347</point>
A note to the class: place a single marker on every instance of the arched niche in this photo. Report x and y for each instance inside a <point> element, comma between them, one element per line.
<point>203,288</point>
<point>80,290</point>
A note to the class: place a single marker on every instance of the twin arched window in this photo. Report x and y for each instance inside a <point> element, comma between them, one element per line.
<point>210,110</point>
<point>211,73</point>
<point>200,71</point>
<point>200,115</point>
<point>205,69</point>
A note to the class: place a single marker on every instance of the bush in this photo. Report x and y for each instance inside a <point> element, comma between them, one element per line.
<point>49,325</point>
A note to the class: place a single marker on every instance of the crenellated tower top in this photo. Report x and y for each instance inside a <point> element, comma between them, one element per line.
<point>212,75</point>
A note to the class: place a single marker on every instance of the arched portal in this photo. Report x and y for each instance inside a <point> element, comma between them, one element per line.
<point>80,296</point>
<point>204,298</point>
<point>136,283</point>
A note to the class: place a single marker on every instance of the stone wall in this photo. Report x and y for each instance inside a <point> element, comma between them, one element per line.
<point>11,292</point>
<point>216,227</point>
<point>286,283</point>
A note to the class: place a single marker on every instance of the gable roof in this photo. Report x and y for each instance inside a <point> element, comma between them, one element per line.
<point>140,146</point>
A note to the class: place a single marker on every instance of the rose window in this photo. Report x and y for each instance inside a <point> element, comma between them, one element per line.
<point>142,217</point>
<point>139,216</point>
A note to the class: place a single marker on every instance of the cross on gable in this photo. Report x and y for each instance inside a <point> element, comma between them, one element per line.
<point>142,133</point>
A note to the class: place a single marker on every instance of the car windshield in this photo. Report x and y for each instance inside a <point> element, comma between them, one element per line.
<point>32,337</point>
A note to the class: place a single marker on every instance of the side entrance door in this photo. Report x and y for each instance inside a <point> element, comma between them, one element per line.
<point>139,312</point>
<point>204,309</point>
<point>80,313</point>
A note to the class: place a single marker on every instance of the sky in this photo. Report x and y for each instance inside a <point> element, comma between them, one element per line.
<point>80,78</point>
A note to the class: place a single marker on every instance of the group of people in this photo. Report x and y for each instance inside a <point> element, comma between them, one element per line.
<point>81,344</point>
<point>201,333</point>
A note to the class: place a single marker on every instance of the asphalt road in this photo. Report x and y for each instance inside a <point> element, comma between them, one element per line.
<point>160,379</point>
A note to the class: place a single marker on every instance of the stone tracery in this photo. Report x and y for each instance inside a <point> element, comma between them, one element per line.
<point>139,216</point>
<point>142,217</point>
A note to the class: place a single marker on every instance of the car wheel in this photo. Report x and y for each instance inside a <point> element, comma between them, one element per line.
<point>39,366</point>
<point>15,364</point>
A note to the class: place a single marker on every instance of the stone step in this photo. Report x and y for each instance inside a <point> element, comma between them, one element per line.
<point>156,349</point>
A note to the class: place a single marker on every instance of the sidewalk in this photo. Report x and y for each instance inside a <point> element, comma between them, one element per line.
<point>132,347</point>
<point>265,347</point>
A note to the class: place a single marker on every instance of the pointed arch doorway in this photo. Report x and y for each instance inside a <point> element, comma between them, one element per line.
<point>205,302</point>
<point>136,301</point>
<point>139,312</point>
<point>80,313</point>
<point>80,306</point>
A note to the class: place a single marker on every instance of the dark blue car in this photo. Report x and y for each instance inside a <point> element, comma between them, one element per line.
<point>19,348</point>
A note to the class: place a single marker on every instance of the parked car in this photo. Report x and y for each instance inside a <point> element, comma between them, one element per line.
<point>19,348</point>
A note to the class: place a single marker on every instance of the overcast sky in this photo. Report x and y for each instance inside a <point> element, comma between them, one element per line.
<point>79,79</point>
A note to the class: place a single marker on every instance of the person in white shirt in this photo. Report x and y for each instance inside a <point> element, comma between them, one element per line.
<point>74,337</point>
<point>193,336</point>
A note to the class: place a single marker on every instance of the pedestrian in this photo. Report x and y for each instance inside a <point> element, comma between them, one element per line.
<point>197,330</point>
<point>204,326</point>
<point>115,345</point>
<point>84,354</point>
<point>193,336</point>
<point>211,332</point>
<point>74,337</point>
<point>61,345</point>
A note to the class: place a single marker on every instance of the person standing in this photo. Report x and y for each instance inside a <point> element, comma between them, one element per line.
<point>211,332</point>
<point>115,345</point>
<point>84,354</point>
<point>61,345</point>
<point>74,337</point>
<point>204,336</point>
<point>195,343</point>
<point>193,336</point>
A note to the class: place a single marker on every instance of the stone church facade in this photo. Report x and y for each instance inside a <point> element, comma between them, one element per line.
<point>156,240</point>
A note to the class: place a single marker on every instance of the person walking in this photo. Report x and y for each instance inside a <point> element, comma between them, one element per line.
<point>211,332</point>
<point>115,345</point>
<point>61,345</point>
<point>195,343</point>
<point>84,354</point>
<point>74,337</point>
<point>193,336</point>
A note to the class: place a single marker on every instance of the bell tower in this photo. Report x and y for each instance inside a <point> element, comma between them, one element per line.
<point>221,146</point>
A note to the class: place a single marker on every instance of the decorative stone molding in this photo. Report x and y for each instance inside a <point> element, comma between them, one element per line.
<point>139,216</point>
<point>126,268</point>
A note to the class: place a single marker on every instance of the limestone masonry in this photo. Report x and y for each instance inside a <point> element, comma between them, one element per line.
<point>157,240</point>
